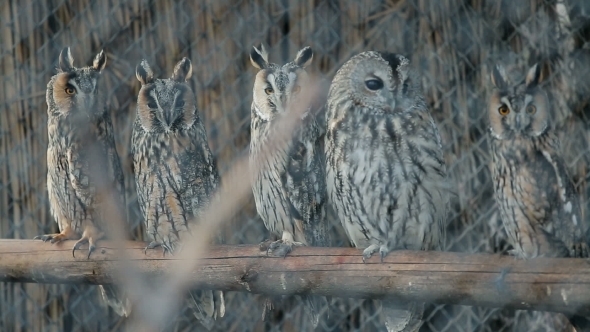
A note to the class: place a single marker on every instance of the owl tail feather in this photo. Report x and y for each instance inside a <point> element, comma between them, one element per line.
<point>116,300</point>
<point>313,305</point>
<point>207,306</point>
<point>406,317</point>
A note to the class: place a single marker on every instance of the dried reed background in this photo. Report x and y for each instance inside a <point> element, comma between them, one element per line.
<point>452,42</point>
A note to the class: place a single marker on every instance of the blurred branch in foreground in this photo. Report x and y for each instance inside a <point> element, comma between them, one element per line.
<point>559,285</point>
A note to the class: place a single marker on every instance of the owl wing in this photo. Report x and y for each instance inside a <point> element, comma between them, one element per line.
<point>205,169</point>
<point>304,184</point>
<point>570,228</point>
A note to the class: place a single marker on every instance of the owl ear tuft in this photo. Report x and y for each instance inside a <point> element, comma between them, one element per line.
<point>533,76</point>
<point>259,57</point>
<point>304,57</point>
<point>144,73</point>
<point>100,61</point>
<point>499,79</point>
<point>66,61</point>
<point>183,70</point>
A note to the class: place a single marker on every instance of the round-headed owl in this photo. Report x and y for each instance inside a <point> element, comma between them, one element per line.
<point>386,175</point>
<point>175,172</point>
<point>82,163</point>
<point>536,197</point>
<point>289,186</point>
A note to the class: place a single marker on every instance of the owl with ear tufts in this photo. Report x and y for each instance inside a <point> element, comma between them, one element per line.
<point>289,186</point>
<point>538,203</point>
<point>82,162</point>
<point>386,175</point>
<point>537,199</point>
<point>175,172</point>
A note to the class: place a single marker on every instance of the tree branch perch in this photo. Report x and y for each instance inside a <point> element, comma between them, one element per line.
<point>560,285</point>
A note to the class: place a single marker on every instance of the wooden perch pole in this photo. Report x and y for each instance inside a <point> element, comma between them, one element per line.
<point>561,285</point>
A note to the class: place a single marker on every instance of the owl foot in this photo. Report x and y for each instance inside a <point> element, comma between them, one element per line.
<point>580,250</point>
<point>282,247</point>
<point>154,245</point>
<point>66,234</point>
<point>373,248</point>
<point>90,236</point>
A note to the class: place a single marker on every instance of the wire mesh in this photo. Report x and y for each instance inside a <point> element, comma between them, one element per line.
<point>453,44</point>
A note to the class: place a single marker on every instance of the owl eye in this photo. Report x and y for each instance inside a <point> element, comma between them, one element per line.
<point>152,104</point>
<point>296,89</point>
<point>180,103</point>
<point>69,90</point>
<point>374,84</point>
<point>503,110</point>
<point>269,91</point>
<point>531,109</point>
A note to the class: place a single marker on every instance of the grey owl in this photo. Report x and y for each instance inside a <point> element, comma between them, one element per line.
<point>386,175</point>
<point>175,172</point>
<point>289,188</point>
<point>538,203</point>
<point>81,155</point>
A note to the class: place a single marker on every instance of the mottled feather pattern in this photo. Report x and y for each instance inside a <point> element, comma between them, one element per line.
<point>175,172</point>
<point>537,199</point>
<point>542,220</point>
<point>178,186</point>
<point>290,188</point>
<point>386,174</point>
<point>82,162</point>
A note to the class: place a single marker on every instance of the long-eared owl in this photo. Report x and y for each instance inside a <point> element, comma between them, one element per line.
<point>536,197</point>
<point>82,163</point>
<point>289,187</point>
<point>175,172</point>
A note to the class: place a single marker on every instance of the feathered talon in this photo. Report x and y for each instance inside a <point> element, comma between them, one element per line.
<point>154,245</point>
<point>282,247</point>
<point>66,234</point>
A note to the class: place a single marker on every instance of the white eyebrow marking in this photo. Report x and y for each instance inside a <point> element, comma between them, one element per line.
<point>506,102</point>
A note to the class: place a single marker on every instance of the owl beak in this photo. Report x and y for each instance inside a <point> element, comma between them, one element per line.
<point>518,122</point>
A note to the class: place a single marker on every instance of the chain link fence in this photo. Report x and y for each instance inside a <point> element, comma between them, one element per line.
<point>453,43</point>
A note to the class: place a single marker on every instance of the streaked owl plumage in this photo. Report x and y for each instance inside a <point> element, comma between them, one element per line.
<point>289,191</point>
<point>175,172</point>
<point>82,162</point>
<point>537,200</point>
<point>289,188</point>
<point>386,175</point>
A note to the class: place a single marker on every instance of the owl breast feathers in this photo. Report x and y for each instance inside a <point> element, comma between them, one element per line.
<point>537,200</point>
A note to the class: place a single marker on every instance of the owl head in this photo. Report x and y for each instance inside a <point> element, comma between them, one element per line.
<point>381,82</point>
<point>166,105</point>
<point>74,91</point>
<point>277,88</point>
<point>518,110</point>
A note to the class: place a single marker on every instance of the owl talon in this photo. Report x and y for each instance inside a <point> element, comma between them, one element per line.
<point>369,251</point>
<point>282,247</point>
<point>154,245</point>
<point>53,238</point>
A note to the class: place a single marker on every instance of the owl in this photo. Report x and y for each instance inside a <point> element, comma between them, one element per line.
<point>175,172</point>
<point>533,190</point>
<point>386,176</point>
<point>538,203</point>
<point>82,162</point>
<point>289,187</point>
